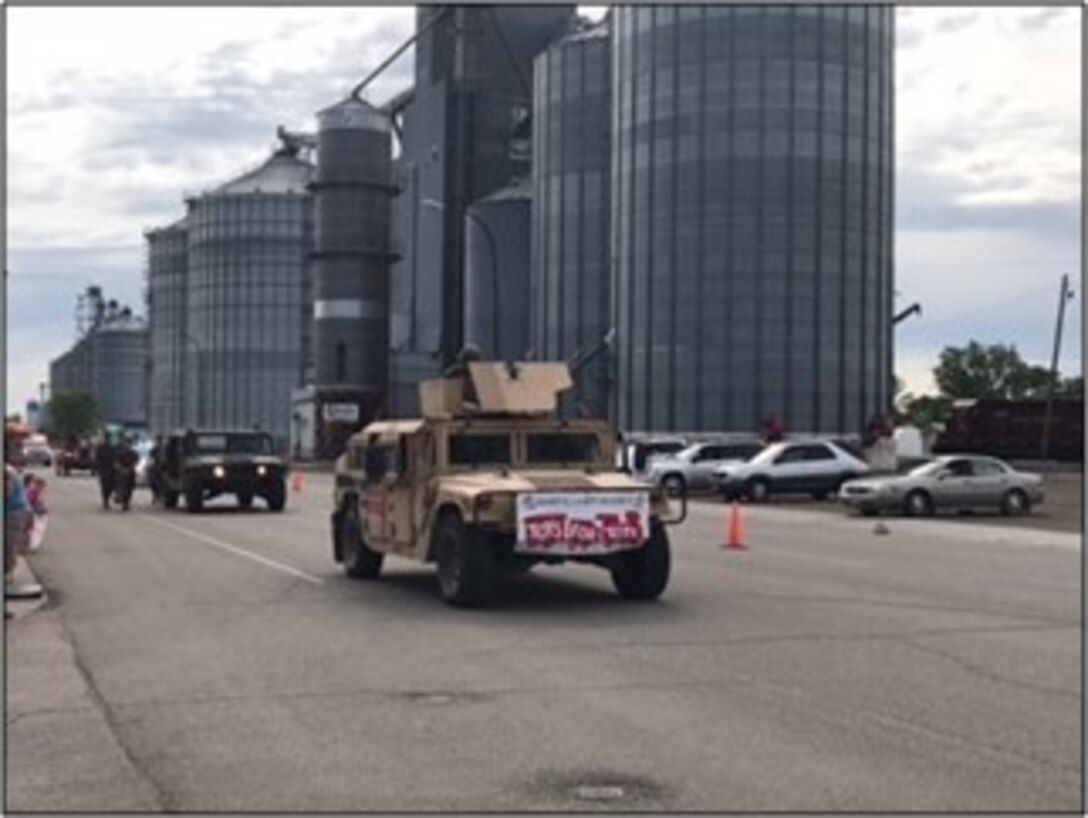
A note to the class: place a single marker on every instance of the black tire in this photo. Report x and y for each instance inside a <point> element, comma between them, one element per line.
<point>759,489</point>
<point>194,497</point>
<point>674,484</point>
<point>245,499</point>
<point>277,496</point>
<point>360,562</point>
<point>170,498</point>
<point>467,569</point>
<point>1015,503</point>
<point>918,504</point>
<point>643,574</point>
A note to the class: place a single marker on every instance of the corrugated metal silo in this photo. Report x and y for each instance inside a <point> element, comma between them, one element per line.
<point>497,273</point>
<point>752,215</point>
<point>119,357</point>
<point>167,268</point>
<point>248,249</point>
<point>571,169</point>
<point>353,191</point>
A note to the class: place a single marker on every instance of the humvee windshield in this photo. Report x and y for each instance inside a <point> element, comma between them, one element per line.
<point>231,444</point>
<point>477,449</point>
<point>557,447</point>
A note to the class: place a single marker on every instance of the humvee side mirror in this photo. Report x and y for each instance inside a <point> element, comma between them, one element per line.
<point>374,464</point>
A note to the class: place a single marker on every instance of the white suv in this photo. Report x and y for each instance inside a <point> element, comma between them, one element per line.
<point>816,467</point>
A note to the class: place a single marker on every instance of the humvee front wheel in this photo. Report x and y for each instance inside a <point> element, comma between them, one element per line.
<point>194,497</point>
<point>467,572</point>
<point>643,574</point>
<point>360,562</point>
<point>277,496</point>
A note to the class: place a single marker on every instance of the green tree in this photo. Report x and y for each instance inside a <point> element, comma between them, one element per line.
<point>995,371</point>
<point>1071,388</point>
<point>925,411</point>
<point>73,414</point>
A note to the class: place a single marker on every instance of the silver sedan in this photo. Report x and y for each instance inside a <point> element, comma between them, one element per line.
<point>947,482</point>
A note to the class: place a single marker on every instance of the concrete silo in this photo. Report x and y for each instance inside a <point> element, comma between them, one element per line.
<point>752,215</point>
<point>497,273</point>
<point>353,192</point>
<point>167,269</point>
<point>248,249</point>
<point>571,167</point>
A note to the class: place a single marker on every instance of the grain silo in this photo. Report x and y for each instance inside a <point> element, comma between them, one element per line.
<point>571,167</point>
<point>752,215</point>
<point>497,273</point>
<point>119,369</point>
<point>353,191</point>
<point>167,269</point>
<point>248,250</point>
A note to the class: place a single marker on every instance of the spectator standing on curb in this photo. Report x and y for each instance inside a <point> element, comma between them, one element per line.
<point>16,512</point>
<point>39,518</point>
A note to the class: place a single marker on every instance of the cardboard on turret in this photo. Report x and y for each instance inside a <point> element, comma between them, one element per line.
<point>441,397</point>
<point>530,387</point>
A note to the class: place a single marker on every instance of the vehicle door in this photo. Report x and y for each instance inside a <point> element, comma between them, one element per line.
<point>823,471</point>
<point>703,464</point>
<point>988,483</point>
<point>381,469</point>
<point>952,488</point>
<point>400,495</point>
<point>789,469</point>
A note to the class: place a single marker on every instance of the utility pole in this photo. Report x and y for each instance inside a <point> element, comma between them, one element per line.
<point>1064,296</point>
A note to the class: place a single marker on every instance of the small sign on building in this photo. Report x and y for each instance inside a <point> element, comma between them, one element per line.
<point>340,412</point>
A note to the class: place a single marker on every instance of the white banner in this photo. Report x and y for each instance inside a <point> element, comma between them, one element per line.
<point>581,523</point>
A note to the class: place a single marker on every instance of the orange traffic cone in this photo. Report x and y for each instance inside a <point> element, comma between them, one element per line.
<point>296,481</point>
<point>735,542</point>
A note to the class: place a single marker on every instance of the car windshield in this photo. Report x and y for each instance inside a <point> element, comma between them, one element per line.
<point>232,444</point>
<point>559,447</point>
<point>479,449</point>
<point>927,468</point>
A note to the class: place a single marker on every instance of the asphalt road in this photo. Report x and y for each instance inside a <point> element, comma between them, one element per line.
<point>230,666</point>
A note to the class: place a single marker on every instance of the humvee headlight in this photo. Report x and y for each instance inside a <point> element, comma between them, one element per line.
<point>261,470</point>
<point>219,471</point>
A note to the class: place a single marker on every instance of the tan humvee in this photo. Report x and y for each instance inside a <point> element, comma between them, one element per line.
<point>491,481</point>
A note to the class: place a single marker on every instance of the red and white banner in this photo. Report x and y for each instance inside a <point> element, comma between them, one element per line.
<point>582,524</point>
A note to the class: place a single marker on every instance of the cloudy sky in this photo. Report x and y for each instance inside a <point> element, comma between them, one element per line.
<point>115,113</point>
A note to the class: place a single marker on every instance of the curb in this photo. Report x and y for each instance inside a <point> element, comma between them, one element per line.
<point>20,608</point>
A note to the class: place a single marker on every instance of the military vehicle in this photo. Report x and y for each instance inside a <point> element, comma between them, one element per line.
<point>201,465</point>
<point>491,481</point>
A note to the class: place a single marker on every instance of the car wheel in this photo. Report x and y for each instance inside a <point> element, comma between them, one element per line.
<point>277,496</point>
<point>1015,503</point>
<point>360,561</point>
<point>194,497</point>
<point>245,499</point>
<point>918,504</point>
<point>759,489</point>
<point>467,572</point>
<point>674,484</point>
<point>644,573</point>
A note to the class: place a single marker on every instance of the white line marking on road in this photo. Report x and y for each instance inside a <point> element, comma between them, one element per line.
<point>236,550</point>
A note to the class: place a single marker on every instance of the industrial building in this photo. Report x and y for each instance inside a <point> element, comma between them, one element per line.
<point>752,223</point>
<point>230,300</point>
<point>571,286</point>
<point>109,361</point>
<point>167,270</point>
<point>465,134</point>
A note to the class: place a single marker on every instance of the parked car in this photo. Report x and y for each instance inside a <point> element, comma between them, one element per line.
<point>76,456</point>
<point>790,467</point>
<point>947,482</point>
<point>693,468</point>
<point>37,454</point>
<point>635,457</point>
